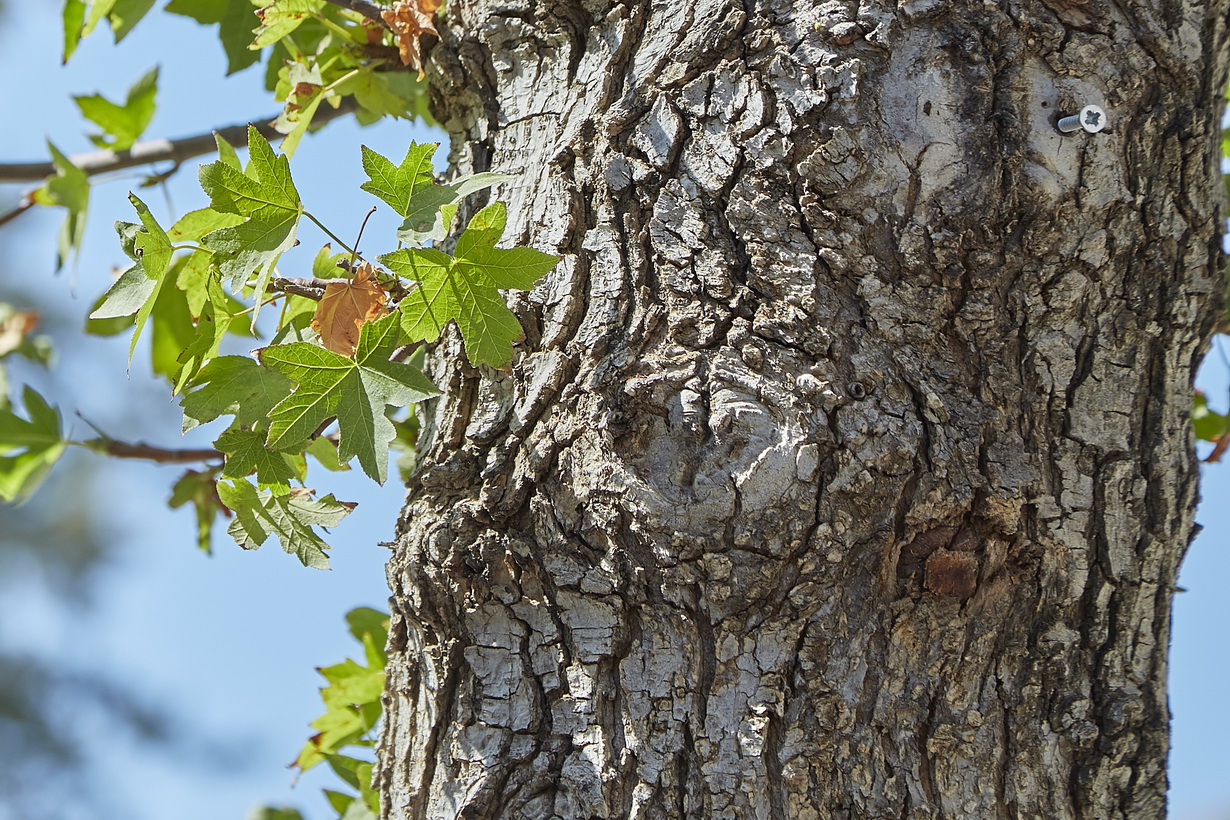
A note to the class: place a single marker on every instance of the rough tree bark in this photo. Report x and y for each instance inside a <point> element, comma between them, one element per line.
<point>845,469</point>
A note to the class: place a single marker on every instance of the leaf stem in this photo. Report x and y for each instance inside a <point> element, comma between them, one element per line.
<point>331,234</point>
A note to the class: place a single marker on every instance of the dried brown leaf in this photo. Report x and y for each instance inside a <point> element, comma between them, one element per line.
<point>346,307</point>
<point>409,20</point>
<point>14,328</point>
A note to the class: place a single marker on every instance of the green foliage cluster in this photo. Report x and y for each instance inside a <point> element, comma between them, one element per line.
<point>201,289</point>
<point>191,283</point>
<point>349,724</point>
<point>314,53</point>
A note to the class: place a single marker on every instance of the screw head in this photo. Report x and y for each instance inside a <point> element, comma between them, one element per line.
<point>1093,119</point>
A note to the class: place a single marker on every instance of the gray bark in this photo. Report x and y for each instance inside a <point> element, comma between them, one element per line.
<point>845,468</point>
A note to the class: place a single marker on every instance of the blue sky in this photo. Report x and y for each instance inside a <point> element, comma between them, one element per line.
<point>229,643</point>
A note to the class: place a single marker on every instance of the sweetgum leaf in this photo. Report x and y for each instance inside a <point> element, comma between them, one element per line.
<point>266,196</point>
<point>1208,425</point>
<point>199,489</point>
<point>192,226</point>
<point>355,391</point>
<point>153,249</point>
<point>122,124</point>
<point>465,288</point>
<point>171,328</point>
<point>346,307</point>
<point>288,517</point>
<point>203,11</point>
<point>73,19</point>
<point>433,207</point>
<point>70,188</point>
<point>234,385</point>
<point>281,17</point>
<point>396,184</point>
<point>246,454</point>
<point>125,14</point>
<point>28,447</point>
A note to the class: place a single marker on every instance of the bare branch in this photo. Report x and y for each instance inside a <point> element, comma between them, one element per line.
<point>159,150</point>
<point>148,452</point>
<point>313,289</point>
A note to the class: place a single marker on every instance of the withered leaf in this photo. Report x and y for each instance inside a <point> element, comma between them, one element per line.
<point>410,20</point>
<point>15,326</point>
<point>346,307</point>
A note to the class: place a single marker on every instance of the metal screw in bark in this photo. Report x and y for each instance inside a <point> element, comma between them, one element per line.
<point>1091,118</point>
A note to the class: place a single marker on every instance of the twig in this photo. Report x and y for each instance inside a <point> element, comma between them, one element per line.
<point>369,10</point>
<point>148,452</point>
<point>27,202</point>
<point>313,288</point>
<point>159,150</point>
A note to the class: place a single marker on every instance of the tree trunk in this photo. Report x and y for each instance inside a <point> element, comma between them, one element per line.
<point>846,468</point>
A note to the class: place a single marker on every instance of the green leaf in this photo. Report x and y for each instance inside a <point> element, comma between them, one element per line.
<point>68,187</point>
<point>1208,425</point>
<point>217,316</point>
<point>371,628</point>
<point>397,184</point>
<point>465,289</point>
<point>124,124</point>
<point>125,296</point>
<point>307,92</point>
<point>125,14</point>
<point>171,328</point>
<point>28,447</point>
<point>234,385</point>
<point>192,226</point>
<point>226,153</point>
<point>203,11</point>
<point>99,9</point>
<point>246,454</point>
<point>153,252</point>
<point>235,32</point>
<point>385,93</point>
<point>431,210</point>
<point>356,391</point>
<point>199,489</point>
<point>266,196</point>
<point>74,19</point>
<point>281,17</point>
<point>288,517</point>
<point>325,452</point>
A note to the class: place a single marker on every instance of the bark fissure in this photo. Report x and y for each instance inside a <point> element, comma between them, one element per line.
<point>844,470</point>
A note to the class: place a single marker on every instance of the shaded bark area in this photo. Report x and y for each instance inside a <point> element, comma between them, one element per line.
<point>845,469</point>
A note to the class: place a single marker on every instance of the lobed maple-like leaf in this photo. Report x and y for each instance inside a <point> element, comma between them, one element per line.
<point>266,196</point>
<point>246,453</point>
<point>199,489</point>
<point>465,288</point>
<point>355,391</point>
<point>397,184</point>
<point>122,125</point>
<point>288,517</point>
<point>346,307</point>
<point>137,289</point>
<point>234,385</point>
<point>70,188</point>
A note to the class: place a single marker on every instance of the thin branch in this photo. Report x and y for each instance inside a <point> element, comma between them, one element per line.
<point>159,150</point>
<point>148,452</point>
<point>27,202</point>
<point>313,288</point>
<point>369,10</point>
